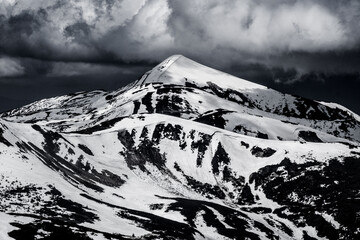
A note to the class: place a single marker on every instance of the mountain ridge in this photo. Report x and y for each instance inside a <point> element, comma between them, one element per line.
<point>185,158</point>
<point>174,74</point>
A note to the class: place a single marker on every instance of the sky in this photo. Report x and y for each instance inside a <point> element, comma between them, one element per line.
<point>309,48</point>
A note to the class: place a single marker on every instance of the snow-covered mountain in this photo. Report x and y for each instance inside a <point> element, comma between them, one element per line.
<point>184,152</point>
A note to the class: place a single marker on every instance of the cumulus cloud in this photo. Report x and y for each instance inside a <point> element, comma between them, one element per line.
<point>251,27</point>
<point>262,32</point>
<point>83,30</point>
<point>275,33</point>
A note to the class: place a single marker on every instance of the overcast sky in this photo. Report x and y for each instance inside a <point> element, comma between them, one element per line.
<point>306,47</point>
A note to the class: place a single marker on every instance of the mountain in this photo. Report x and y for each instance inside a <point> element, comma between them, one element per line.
<point>184,152</point>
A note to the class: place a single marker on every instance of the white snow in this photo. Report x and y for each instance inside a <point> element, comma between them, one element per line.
<point>5,227</point>
<point>68,114</point>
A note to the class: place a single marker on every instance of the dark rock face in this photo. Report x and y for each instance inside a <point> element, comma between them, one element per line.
<point>260,152</point>
<point>220,157</point>
<point>54,217</point>
<point>214,119</point>
<point>3,140</point>
<point>309,136</point>
<point>146,151</point>
<point>126,138</point>
<point>147,102</point>
<point>169,131</point>
<point>311,190</point>
<point>230,94</point>
<point>170,105</point>
<point>238,222</point>
<point>246,145</point>
<point>85,149</point>
<point>243,130</point>
<point>246,196</point>
<point>229,176</point>
<point>205,189</point>
<point>219,164</point>
<point>262,135</point>
<point>56,231</point>
<point>137,105</point>
<point>201,145</point>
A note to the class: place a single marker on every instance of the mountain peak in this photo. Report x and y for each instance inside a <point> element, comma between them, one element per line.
<point>178,69</point>
<point>185,135</point>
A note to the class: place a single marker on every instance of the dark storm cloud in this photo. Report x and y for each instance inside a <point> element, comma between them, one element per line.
<point>216,32</point>
<point>283,41</point>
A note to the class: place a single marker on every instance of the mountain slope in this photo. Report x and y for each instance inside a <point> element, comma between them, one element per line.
<point>181,87</point>
<point>185,152</point>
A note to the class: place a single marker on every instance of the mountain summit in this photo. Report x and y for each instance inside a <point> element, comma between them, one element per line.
<point>178,69</point>
<point>184,152</point>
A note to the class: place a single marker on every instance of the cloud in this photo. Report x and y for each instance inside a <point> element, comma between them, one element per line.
<point>262,29</point>
<point>64,69</point>
<point>257,32</point>
<point>300,35</point>
<point>10,67</point>
<point>83,30</point>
